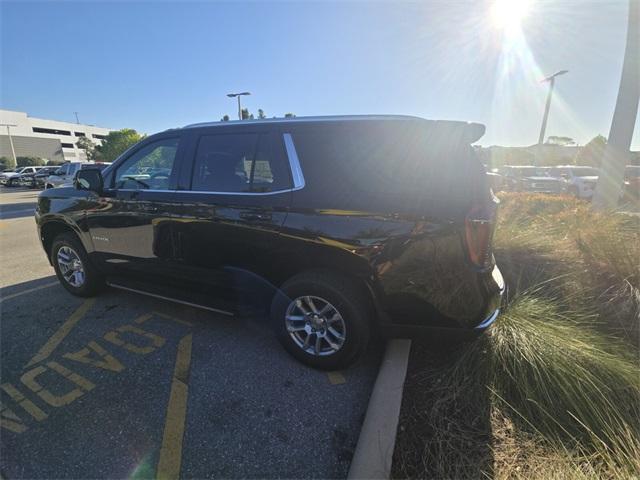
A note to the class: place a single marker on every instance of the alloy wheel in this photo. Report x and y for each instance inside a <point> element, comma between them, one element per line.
<point>71,266</point>
<point>315,325</point>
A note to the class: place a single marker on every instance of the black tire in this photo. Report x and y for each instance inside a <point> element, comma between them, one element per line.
<point>93,280</point>
<point>346,296</point>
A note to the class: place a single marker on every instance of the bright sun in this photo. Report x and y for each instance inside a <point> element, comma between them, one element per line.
<point>508,14</point>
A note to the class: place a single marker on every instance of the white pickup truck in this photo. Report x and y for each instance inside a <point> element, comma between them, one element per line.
<point>67,172</point>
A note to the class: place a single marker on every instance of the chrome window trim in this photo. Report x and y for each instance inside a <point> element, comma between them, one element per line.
<point>288,190</point>
<point>294,162</point>
<point>294,165</point>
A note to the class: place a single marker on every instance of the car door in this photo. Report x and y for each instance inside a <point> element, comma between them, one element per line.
<point>236,191</point>
<point>130,223</point>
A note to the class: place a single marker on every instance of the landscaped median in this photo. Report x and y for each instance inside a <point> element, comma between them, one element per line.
<point>553,390</point>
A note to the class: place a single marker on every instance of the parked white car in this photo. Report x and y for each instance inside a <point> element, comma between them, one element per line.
<point>9,179</point>
<point>581,180</point>
<point>63,177</point>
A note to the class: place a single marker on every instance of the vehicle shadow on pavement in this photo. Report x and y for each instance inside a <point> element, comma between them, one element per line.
<point>18,289</point>
<point>17,210</point>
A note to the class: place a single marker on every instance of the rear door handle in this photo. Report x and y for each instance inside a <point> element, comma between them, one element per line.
<point>255,216</point>
<point>148,208</point>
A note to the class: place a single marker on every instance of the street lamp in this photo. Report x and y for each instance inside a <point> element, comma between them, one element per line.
<point>552,80</point>
<point>238,95</point>
<point>13,151</point>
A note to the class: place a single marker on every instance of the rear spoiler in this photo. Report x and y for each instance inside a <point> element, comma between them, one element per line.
<point>465,132</point>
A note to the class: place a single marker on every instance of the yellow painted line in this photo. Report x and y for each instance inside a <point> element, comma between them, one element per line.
<point>62,332</point>
<point>171,450</point>
<point>143,318</point>
<point>24,292</point>
<point>3,224</point>
<point>174,319</point>
<point>336,378</point>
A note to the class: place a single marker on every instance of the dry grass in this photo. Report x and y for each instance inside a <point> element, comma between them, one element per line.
<point>554,390</point>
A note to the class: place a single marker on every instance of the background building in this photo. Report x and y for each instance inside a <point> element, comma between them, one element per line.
<point>48,139</point>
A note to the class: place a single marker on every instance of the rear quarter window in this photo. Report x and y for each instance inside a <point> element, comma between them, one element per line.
<point>388,166</point>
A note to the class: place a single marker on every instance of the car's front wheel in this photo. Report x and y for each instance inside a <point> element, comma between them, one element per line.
<point>75,271</point>
<point>322,319</point>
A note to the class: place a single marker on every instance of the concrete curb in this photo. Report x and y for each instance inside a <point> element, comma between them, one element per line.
<point>374,451</point>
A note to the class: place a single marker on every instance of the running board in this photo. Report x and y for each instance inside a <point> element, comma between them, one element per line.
<point>170,299</point>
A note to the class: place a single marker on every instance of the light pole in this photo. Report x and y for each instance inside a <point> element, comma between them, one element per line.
<point>552,80</point>
<point>238,95</point>
<point>13,151</point>
<point>76,114</point>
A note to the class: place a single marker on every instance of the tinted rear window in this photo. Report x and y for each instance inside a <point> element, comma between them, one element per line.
<point>390,163</point>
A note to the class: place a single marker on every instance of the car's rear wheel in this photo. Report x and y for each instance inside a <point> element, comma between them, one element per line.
<point>322,319</point>
<point>75,271</point>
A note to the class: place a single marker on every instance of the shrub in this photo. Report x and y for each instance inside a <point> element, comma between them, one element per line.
<point>30,161</point>
<point>6,163</point>
<point>53,163</point>
<point>552,391</point>
<point>543,378</point>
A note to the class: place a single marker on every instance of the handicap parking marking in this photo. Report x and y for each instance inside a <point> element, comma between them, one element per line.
<point>36,385</point>
<point>60,334</point>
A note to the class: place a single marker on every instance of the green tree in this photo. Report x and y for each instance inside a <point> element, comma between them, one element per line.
<point>84,143</point>
<point>54,163</point>
<point>30,161</point>
<point>563,141</point>
<point>261,114</point>
<point>5,163</point>
<point>116,143</point>
<point>246,115</point>
<point>225,118</point>
<point>591,153</point>
<point>289,115</point>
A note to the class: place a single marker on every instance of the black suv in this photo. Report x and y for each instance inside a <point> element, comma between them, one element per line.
<point>343,225</point>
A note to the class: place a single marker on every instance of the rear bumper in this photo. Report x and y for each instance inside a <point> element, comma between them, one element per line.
<point>493,286</point>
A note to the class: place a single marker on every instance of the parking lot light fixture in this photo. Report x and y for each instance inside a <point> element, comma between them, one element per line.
<point>238,95</point>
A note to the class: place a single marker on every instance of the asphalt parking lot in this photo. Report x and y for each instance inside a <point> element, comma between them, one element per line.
<point>129,386</point>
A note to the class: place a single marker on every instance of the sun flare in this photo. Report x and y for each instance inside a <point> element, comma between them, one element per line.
<point>508,14</point>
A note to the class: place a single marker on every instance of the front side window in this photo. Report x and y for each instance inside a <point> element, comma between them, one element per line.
<point>149,168</point>
<point>237,163</point>
<point>63,170</point>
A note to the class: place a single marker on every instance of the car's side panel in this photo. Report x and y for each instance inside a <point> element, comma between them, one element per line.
<point>412,255</point>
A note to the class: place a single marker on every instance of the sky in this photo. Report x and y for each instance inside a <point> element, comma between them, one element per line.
<point>158,65</point>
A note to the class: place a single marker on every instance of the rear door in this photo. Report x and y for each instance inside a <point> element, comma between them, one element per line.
<point>236,189</point>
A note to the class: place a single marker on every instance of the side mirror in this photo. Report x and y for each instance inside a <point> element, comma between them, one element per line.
<point>89,179</point>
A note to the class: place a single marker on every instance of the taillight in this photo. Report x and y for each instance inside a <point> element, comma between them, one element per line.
<point>479,226</point>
